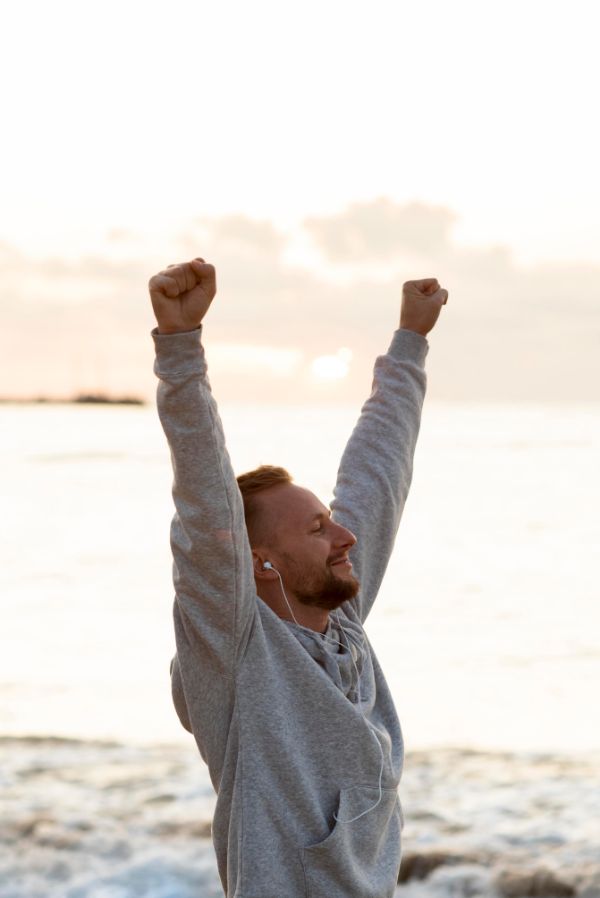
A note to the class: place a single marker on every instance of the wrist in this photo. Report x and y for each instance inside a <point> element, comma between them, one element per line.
<point>413,330</point>
<point>168,331</point>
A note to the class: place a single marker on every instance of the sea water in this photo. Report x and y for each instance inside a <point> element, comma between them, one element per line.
<point>487,627</point>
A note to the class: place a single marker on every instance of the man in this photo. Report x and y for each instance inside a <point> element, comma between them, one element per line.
<point>274,675</point>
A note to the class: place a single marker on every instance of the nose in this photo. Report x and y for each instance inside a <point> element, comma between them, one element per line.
<point>344,537</point>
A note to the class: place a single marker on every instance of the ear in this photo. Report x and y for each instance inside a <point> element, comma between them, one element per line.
<point>258,560</point>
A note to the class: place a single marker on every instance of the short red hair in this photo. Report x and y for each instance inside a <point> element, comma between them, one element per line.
<point>251,484</point>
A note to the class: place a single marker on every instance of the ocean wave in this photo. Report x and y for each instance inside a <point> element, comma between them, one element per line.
<point>102,819</point>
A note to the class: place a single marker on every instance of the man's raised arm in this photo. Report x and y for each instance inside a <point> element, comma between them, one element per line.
<point>376,468</point>
<point>212,565</point>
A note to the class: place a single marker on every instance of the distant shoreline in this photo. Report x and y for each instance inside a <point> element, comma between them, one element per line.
<point>80,399</point>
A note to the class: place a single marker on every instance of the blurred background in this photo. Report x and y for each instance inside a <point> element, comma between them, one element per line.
<point>318,154</point>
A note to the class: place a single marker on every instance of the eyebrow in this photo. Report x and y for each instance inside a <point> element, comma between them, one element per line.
<point>320,515</point>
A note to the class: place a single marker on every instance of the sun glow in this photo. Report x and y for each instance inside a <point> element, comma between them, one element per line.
<point>235,358</point>
<point>332,367</point>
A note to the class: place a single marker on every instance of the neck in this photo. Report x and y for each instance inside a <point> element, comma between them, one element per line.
<point>306,615</point>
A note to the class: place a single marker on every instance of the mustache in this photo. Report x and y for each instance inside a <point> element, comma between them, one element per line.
<point>336,558</point>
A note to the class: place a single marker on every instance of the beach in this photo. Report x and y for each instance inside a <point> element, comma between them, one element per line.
<point>486,627</point>
<point>93,820</point>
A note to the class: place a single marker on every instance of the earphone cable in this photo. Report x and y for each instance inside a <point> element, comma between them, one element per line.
<point>370,726</point>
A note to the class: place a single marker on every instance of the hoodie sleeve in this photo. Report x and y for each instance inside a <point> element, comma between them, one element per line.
<point>215,597</point>
<point>375,472</point>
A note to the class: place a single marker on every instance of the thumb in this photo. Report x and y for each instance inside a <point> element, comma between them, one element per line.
<point>205,272</point>
<point>426,286</point>
<point>200,266</point>
<point>429,286</point>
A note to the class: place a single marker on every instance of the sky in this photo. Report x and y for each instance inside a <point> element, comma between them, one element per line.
<point>319,154</point>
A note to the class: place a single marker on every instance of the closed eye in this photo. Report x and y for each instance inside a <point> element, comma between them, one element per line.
<point>321,518</point>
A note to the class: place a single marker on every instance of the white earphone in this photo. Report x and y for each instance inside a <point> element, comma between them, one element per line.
<point>267,566</point>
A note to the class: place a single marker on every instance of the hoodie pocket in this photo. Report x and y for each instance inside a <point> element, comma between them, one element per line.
<point>361,858</point>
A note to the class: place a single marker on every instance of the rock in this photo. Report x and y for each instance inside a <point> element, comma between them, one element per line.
<point>201,829</point>
<point>539,884</point>
<point>161,799</point>
<point>25,828</point>
<point>420,864</point>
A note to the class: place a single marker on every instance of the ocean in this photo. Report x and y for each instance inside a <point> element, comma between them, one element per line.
<point>487,627</point>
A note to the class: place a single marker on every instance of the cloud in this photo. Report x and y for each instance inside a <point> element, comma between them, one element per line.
<point>242,234</point>
<point>381,230</point>
<point>507,333</point>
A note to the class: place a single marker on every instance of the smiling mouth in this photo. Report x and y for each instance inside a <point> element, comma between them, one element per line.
<point>345,561</point>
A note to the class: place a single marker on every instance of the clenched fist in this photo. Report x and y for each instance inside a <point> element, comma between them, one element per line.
<point>182,294</point>
<point>422,302</point>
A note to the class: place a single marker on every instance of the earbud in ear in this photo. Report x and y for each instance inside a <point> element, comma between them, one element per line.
<point>267,566</point>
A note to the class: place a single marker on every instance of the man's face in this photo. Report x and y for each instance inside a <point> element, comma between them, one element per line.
<point>308,549</point>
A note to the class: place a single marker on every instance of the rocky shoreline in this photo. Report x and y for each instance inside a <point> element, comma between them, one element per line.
<point>84,818</point>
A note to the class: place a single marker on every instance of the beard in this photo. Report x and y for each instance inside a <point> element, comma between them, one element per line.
<point>326,591</point>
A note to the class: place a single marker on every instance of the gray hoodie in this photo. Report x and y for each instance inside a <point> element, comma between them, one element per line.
<point>300,733</point>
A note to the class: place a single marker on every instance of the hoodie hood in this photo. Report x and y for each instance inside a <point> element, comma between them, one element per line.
<point>340,651</point>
